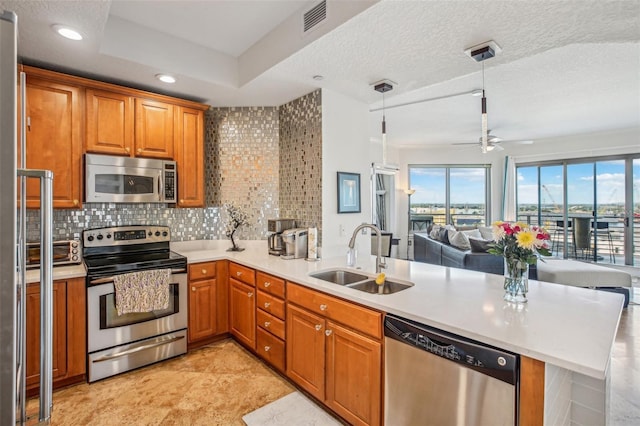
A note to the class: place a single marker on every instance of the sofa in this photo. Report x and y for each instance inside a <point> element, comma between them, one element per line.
<point>429,250</point>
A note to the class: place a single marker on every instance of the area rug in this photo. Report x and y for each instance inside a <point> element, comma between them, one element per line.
<point>293,409</point>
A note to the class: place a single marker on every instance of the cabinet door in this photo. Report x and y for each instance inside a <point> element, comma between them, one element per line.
<point>54,140</point>
<point>305,350</point>
<point>109,122</point>
<point>153,129</point>
<point>202,309</point>
<point>189,149</point>
<point>33,332</point>
<point>243,312</point>
<point>353,375</point>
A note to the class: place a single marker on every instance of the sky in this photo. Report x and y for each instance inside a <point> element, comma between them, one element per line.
<point>609,178</point>
<point>467,185</point>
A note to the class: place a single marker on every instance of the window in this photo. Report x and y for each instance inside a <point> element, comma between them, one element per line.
<point>453,194</point>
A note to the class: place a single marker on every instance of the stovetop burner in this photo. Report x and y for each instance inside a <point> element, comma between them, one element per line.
<point>117,250</point>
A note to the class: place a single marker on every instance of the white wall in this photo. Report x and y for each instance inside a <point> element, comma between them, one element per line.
<point>614,142</point>
<point>345,148</point>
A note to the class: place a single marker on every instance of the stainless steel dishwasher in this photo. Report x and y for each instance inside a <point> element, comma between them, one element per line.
<point>437,378</point>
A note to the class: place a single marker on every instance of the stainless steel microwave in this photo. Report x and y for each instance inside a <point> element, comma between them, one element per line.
<point>112,179</point>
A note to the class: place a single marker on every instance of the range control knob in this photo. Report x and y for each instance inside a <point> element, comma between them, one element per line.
<point>157,233</point>
<point>99,237</point>
<point>165,233</point>
<point>108,236</point>
<point>150,233</point>
<point>90,238</point>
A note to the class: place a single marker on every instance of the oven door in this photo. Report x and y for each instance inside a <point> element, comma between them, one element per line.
<point>107,329</point>
<point>117,184</point>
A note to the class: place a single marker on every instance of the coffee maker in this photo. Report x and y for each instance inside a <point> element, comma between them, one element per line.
<point>295,243</point>
<point>275,228</point>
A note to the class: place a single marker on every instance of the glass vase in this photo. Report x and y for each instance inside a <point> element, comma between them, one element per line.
<point>516,280</point>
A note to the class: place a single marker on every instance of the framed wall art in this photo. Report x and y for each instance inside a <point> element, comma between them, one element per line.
<point>348,192</point>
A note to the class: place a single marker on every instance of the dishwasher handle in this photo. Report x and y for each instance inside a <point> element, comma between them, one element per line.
<point>494,362</point>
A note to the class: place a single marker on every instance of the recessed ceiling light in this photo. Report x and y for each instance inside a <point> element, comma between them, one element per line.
<point>67,32</point>
<point>166,78</point>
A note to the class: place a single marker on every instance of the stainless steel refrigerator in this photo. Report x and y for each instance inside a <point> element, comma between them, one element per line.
<point>13,177</point>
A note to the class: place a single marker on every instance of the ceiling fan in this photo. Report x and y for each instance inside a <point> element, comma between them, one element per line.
<point>494,142</point>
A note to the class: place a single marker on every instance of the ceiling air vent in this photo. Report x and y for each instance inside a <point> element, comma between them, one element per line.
<point>316,15</point>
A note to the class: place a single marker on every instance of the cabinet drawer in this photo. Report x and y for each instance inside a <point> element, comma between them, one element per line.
<point>270,323</point>
<point>270,348</point>
<point>271,304</point>
<point>242,273</point>
<point>270,284</point>
<point>200,271</point>
<point>354,316</point>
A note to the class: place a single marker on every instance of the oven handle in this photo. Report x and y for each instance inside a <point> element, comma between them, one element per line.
<point>109,357</point>
<point>106,280</point>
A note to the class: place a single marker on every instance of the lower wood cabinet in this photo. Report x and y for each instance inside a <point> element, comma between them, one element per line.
<point>69,332</point>
<point>338,363</point>
<point>208,301</point>
<point>242,312</point>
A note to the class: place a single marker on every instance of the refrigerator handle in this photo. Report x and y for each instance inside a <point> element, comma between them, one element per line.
<point>46,289</point>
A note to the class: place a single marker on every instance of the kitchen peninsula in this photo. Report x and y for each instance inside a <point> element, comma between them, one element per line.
<point>548,330</point>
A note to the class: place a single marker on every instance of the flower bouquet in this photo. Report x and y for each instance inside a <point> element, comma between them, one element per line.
<point>521,245</point>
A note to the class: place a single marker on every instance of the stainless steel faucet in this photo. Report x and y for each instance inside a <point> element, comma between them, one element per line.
<point>380,263</point>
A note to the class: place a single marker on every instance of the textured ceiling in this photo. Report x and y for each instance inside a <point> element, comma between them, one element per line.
<point>566,67</point>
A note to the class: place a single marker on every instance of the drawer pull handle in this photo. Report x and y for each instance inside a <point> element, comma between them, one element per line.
<point>267,304</point>
<point>238,274</point>
<point>193,289</point>
<point>204,272</point>
<point>323,307</point>
<point>267,324</point>
<point>267,284</point>
<point>250,294</point>
<point>328,332</point>
<point>318,327</point>
<point>267,348</point>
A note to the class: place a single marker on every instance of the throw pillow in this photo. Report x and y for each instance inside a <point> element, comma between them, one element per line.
<point>486,232</point>
<point>444,233</point>
<point>459,240</point>
<point>473,233</point>
<point>435,232</point>
<point>479,245</point>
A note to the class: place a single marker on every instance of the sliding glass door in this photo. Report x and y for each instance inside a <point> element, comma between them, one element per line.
<point>591,207</point>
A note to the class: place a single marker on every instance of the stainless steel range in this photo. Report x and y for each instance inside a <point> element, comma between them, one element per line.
<point>118,343</point>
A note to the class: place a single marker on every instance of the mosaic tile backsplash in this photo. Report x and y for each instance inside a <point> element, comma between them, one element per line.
<point>265,160</point>
<point>301,161</point>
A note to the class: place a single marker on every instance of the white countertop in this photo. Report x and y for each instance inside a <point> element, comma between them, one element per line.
<point>551,327</point>
<point>59,273</point>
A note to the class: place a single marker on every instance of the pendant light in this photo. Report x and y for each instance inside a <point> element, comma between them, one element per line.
<point>383,87</point>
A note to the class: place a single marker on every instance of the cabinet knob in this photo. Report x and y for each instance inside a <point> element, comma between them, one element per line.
<point>267,284</point>
<point>204,272</point>
<point>139,151</point>
<point>127,149</point>
<point>193,289</point>
<point>267,348</point>
<point>323,307</point>
<point>267,304</point>
<point>75,202</point>
<point>328,332</point>
<point>238,274</point>
<point>267,324</point>
<point>181,201</point>
<point>318,327</point>
<point>250,294</point>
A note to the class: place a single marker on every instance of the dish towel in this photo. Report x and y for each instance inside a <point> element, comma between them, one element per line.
<point>143,291</point>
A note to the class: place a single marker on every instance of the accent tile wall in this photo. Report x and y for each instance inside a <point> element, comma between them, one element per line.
<point>245,148</point>
<point>301,161</point>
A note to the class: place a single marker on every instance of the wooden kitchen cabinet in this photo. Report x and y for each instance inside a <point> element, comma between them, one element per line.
<point>189,155</point>
<point>208,302</point>
<point>340,363</point>
<point>270,319</point>
<point>54,138</point>
<point>110,122</point>
<point>154,129</point>
<point>69,332</point>
<point>242,304</point>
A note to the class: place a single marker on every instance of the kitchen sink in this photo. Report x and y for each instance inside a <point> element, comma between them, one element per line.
<point>360,282</point>
<point>388,287</point>
<point>339,276</point>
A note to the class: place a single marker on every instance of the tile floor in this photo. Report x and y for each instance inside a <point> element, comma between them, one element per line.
<point>218,384</point>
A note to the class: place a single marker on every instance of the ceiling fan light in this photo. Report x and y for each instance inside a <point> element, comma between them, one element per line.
<point>67,32</point>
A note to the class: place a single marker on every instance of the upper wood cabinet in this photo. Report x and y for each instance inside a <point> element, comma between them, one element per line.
<point>154,129</point>
<point>189,150</point>
<point>110,117</point>
<point>54,139</point>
